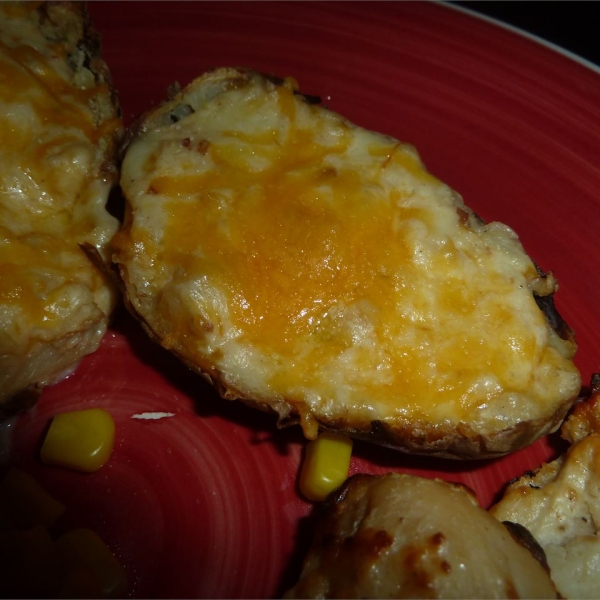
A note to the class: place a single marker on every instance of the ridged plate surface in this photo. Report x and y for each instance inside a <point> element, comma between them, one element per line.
<point>204,503</point>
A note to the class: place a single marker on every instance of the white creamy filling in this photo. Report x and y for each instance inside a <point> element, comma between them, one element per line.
<point>465,335</point>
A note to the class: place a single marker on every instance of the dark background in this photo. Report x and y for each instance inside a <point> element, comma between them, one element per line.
<point>572,24</point>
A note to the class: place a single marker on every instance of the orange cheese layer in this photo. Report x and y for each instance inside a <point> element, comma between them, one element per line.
<point>336,254</point>
<point>34,273</point>
<point>52,193</point>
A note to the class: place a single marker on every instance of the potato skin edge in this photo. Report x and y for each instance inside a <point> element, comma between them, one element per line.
<point>458,441</point>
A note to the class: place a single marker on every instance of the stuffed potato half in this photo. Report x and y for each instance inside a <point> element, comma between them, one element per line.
<point>311,267</point>
<point>60,127</point>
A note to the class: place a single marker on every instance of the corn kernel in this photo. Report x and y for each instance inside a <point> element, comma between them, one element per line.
<point>87,557</point>
<point>325,467</point>
<point>29,563</point>
<point>25,503</point>
<point>82,440</point>
<point>80,583</point>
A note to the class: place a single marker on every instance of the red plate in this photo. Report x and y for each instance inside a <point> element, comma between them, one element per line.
<point>204,503</point>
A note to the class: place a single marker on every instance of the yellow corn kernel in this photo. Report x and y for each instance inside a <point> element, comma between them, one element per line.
<point>91,565</point>
<point>29,564</point>
<point>25,503</point>
<point>80,583</point>
<point>325,467</point>
<point>81,440</point>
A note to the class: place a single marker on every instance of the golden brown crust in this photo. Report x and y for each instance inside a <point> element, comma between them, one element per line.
<point>584,418</point>
<point>399,536</point>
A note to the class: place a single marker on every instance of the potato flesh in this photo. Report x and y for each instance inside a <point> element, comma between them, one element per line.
<point>54,184</point>
<point>399,536</point>
<point>309,260</point>
<point>560,505</point>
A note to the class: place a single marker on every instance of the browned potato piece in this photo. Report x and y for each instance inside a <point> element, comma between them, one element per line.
<point>59,126</point>
<point>400,536</point>
<point>316,269</point>
<point>559,504</point>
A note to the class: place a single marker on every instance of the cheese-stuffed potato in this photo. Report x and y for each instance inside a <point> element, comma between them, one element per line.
<point>310,267</point>
<point>559,504</point>
<point>59,126</point>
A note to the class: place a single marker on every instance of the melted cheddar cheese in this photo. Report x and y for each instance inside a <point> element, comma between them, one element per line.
<point>54,184</point>
<point>310,260</point>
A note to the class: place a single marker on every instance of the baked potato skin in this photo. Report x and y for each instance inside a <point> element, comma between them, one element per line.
<point>442,438</point>
<point>558,503</point>
<point>400,536</point>
<point>58,172</point>
<point>412,438</point>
